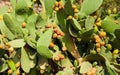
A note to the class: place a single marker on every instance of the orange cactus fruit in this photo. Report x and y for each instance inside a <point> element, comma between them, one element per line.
<point>23,25</point>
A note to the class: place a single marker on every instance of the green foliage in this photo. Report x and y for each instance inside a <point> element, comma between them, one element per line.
<point>48,6</point>
<point>18,43</point>
<point>12,25</point>
<point>21,7</point>
<point>25,61</point>
<point>117,31</point>
<point>75,24</point>
<point>68,7</point>
<point>64,37</point>
<point>89,22</point>
<point>109,25</point>
<point>5,31</point>
<point>85,67</point>
<point>3,10</point>
<point>11,65</point>
<point>3,67</point>
<point>88,7</point>
<point>42,48</point>
<point>61,17</point>
<point>13,3</point>
<point>67,71</point>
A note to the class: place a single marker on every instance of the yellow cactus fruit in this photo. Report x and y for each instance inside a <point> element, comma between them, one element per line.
<point>69,17</point>
<point>74,6</point>
<point>114,10</point>
<point>98,23</point>
<point>76,10</point>
<point>1,17</point>
<point>10,71</point>
<point>116,51</point>
<point>56,9</point>
<point>98,19</point>
<point>98,50</point>
<point>17,64</point>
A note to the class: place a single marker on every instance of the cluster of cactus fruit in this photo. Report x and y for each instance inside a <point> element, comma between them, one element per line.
<point>64,37</point>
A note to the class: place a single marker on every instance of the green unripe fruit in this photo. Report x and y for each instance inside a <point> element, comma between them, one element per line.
<point>93,52</point>
<point>75,63</point>
<point>109,11</point>
<point>109,46</point>
<point>95,63</point>
<point>95,29</point>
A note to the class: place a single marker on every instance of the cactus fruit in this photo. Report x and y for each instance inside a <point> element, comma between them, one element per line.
<point>59,37</point>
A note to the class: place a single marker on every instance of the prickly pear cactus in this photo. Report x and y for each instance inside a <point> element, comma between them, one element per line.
<point>60,37</point>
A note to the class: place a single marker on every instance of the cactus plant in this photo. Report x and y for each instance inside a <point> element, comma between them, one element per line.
<point>65,37</point>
